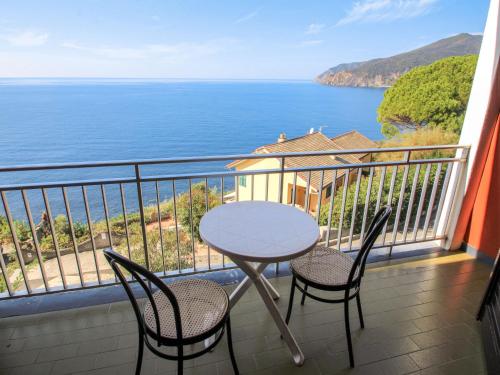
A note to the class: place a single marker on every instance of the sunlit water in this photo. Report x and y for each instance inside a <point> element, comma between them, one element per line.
<point>51,121</point>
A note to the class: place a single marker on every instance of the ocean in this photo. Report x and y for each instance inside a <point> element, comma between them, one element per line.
<point>65,120</point>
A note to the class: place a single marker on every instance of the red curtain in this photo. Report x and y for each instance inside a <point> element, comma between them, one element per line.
<point>479,221</point>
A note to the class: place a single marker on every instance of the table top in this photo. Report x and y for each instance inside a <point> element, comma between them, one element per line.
<point>259,231</point>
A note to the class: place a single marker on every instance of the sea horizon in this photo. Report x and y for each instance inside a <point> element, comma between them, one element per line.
<point>111,80</point>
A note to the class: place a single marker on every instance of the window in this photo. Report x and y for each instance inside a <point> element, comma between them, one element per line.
<point>328,191</point>
<point>243,181</point>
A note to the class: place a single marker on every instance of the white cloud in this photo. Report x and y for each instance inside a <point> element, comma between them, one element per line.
<point>166,52</point>
<point>314,28</point>
<point>385,10</point>
<point>26,38</point>
<point>247,17</point>
<point>309,43</point>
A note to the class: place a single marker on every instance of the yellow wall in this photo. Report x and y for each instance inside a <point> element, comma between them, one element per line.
<point>259,183</point>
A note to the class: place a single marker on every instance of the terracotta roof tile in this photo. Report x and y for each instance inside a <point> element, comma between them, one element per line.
<point>352,140</point>
<point>309,142</point>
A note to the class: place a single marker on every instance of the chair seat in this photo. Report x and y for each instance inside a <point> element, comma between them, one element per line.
<point>324,266</point>
<point>203,304</point>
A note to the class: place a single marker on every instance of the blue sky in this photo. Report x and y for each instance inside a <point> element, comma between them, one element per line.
<point>286,39</point>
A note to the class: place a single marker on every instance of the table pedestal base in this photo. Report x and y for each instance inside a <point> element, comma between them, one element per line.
<point>268,294</point>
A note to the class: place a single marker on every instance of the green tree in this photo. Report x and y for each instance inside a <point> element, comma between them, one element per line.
<point>434,95</point>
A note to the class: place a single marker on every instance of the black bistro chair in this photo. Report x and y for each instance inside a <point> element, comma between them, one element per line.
<point>183,313</point>
<point>332,270</point>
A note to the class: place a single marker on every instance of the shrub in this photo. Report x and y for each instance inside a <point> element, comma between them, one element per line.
<point>199,207</point>
<point>419,137</point>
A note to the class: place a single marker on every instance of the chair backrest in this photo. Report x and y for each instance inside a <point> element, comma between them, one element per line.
<point>378,222</point>
<point>145,279</point>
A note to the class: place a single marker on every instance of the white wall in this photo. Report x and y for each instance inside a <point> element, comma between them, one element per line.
<point>474,118</point>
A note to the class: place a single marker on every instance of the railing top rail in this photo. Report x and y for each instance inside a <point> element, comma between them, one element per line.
<point>195,159</point>
<point>183,176</point>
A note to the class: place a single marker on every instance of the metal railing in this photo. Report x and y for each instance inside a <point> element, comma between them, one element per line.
<point>153,218</point>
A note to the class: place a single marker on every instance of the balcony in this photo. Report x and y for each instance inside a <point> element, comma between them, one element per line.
<point>419,301</point>
<point>419,316</point>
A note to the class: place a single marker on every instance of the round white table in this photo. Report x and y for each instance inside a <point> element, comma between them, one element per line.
<point>254,234</point>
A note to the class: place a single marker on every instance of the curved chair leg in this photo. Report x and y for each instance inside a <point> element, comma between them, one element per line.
<point>304,295</point>
<point>180,359</point>
<point>290,301</point>
<point>139,355</point>
<point>230,345</point>
<point>348,332</point>
<point>360,312</point>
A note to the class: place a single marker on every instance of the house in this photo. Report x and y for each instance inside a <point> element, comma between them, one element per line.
<point>266,187</point>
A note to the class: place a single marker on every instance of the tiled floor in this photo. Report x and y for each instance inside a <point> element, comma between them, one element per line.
<point>419,317</point>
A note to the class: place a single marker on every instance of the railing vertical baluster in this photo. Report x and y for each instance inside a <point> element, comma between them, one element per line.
<point>141,213</point>
<point>73,236</point>
<point>222,190</point>
<point>320,193</point>
<point>308,188</point>
<point>108,226</point>
<point>157,190</point>
<point>91,232</point>
<point>251,187</point>
<point>206,210</point>
<point>330,209</point>
<point>400,206</point>
<point>237,188</point>
<point>367,203</point>
<point>15,240</point>
<point>342,208</point>
<point>421,201</point>
<point>294,188</point>
<point>5,275</point>
<point>222,202</point>
<point>125,219</point>
<point>191,220</point>
<point>354,208</point>
<point>280,196</point>
<point>35,240</point>
<point>267,188</point>
<point>54,238</point>
<point>176,227</point>
<point>430,205</point>
<point>442,197</point>
<point>381,188</point>
<point>280,185</point>
<point>389,200</point>
<point>412,200</point>
<point>106,215</point>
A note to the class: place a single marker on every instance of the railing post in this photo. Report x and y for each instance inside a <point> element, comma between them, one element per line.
<point>280,198</point>
<point>141,212</point>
